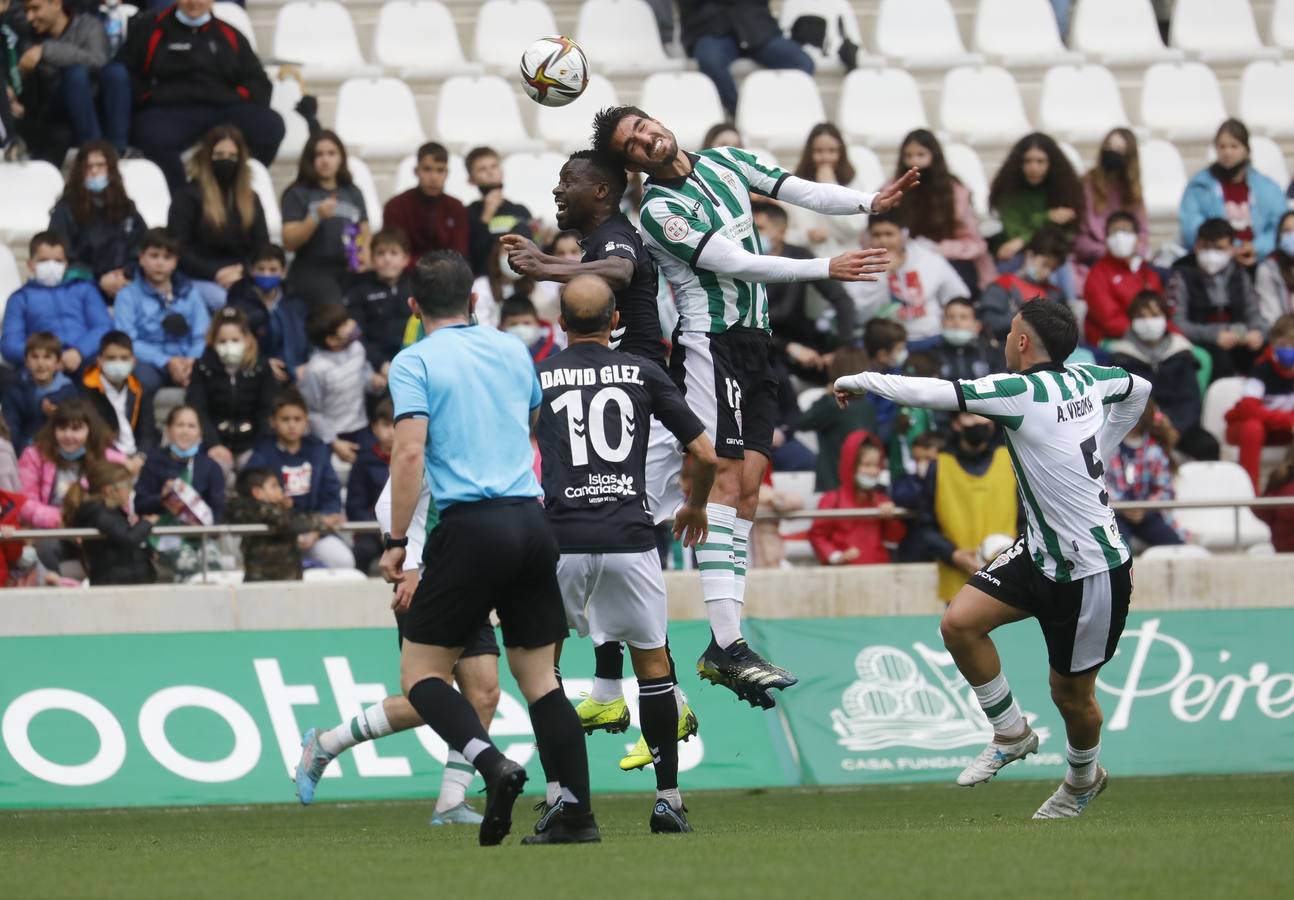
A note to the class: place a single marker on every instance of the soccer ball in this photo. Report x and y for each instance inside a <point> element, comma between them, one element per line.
<point>554,71</point>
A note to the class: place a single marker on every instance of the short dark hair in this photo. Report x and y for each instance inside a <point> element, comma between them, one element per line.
<point>441,283</point>
<point>250,479</point>
<point>288,396</point>
<point>271,252</point>
<point>436,151</point>
<point>596,323</point>
<point>1049,241</point>
<point>1283,327</point>
<point>46,239</point>
<point>1054,323</point>
<point>323,322</point>
<point>1120,215</point>
<point>389,237</point>
<point>928,439</point>
<point>116,339</point>
<point>884,218</point>
<point>44,341</point>
<point>384,411</point>
<point>160,239</point>
<point>608,167</point>
<point>882,334</point>
<point>1215,230</point>
<point>517,306</point>
<point>961,301</point>
<point>773,210</point>
<point>605,122</point>
<point>478,153</point>
<point>1144,299</point>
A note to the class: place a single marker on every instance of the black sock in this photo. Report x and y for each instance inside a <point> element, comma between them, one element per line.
<point>673,672</point>
<point>560,738</point>
<point>545,752</point>
<point>609,661</point>
<point>452,717</point>
<point>659,717</point>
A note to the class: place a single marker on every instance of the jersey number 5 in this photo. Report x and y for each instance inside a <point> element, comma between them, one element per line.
<point>572,403</point>
<point>1095,467</point>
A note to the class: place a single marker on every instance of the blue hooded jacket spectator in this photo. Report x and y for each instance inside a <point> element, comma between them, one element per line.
<point>142,313</point>
<point>368,475</point>
<point>161,467</point>
<point>22,399</point>
<point>73,311</point>
<point>1202,200</point>
<point>308,476</point>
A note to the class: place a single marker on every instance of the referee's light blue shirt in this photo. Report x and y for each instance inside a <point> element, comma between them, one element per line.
<point>476,387</point>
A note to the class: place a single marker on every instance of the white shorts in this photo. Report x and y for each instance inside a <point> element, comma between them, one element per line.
<point>615,597</point>
<point>664,471</point>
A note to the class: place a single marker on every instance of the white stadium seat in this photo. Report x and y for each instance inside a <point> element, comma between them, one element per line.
<point>235,15</point>
<point>1218,400</point>
<point>1266,91</point>
<point>688,101</point>
<point>878,107</point>
<point>842,24</point>
<point>1071,153</point>
<point>778,107</point>
<point>481,109</point>
<point>146,185</point>
<point>264,189</point>
<point>1174,551</point>
<point>1217,31</point>
<point>505,28</point>
<point>982,105</point>
<point>964,162</point>
<point>1216,528</point>
<point>921,34</point>
<point>30,190</point>
<point>363,177</point>
<point>320,35</point>
<point>530,179</point>
<point>621,36</point>
<point>1163,177</point>
<point>11,277</point>
<point>378,117</point>
<point>418,38</point>
<point>1020,33</point>
<point>456,185</point>
<point>568,127</point>
<point>1119,32</point>
<point>869,174</point>
<point>286,94</point>
<point>1080,103</point>
<point>1182,101</point>
<point>1282,24</point>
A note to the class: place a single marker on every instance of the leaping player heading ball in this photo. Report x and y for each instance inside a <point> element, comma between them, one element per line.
<point>697,224</point>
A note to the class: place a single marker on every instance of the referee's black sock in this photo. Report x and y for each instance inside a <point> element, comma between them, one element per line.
<point>609,661</point>
<point>545,753</point>
<point>659,717</point>
<point>559,736</point>
<point>452,717</point>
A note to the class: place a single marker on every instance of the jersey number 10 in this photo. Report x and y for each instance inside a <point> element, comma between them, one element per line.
<point>572,403</point>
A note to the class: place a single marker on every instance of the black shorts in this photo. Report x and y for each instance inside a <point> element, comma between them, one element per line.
<point>1081,620</point>
<point>730,385</point>
<point>496,555</point>
<point>483,643</point>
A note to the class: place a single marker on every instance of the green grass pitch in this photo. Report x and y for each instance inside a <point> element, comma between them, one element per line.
<point>1228,837</point>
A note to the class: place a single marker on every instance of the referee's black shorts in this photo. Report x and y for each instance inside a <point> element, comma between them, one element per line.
<point>490,555</point>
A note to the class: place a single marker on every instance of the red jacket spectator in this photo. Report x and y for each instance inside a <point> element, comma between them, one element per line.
<point>10,551</point>
<point>430,223</point>
<point>1264,416</point>
<point>1280,518</point>
<point>836,540</point>
<point>1110,287</point>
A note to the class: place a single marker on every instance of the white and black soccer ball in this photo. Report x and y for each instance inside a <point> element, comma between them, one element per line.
<point>554,71</point>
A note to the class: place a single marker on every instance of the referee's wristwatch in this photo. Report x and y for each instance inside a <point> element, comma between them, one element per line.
<point>390,543</point>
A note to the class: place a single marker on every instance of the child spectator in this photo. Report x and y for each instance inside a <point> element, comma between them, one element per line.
<point>163,314</point>
<point>1274,281</point>
<point>886,343</point>
<point>964,352</point>
<point>1280,518</point>
<point>9,480</point>
<point>179,459</point>
<point>825,159</point>
<point>1003,298</point>
<point>567,246</point>
<point>857,542</point>
<point>305,470</point>
<point>501,282</point>
<point>40,387</point>
<point>277,319</point>
<point>1118,276</point>
<point>1112,185</point>
<point>260,500</point>
<point>429,218</point>
<point>378,300</point>
<point>335,380</point>
<point>1143,469</point>
<point>517,317</point>
<point>1214,300</point>
<point>73,311</point>
<point>112,376</point>
<point>1167,360</point>
<point>492,216</point>
<point>98,220</point>
<point>231,390</point>
<point>217,217</point>
<point>1264,416</point>
<point>122,556</point>
<point>367,478</point>
<point>833,424</point>
<point>325,222</point>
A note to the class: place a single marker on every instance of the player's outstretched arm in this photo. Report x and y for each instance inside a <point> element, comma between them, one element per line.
<point>725,257</point>
<point>837,200</point>
<point>1122,412</point>
<point>525,257</point>
<point>926,393</point>
<point>691,525</point>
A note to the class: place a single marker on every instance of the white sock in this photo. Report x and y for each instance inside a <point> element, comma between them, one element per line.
<point>725,621</point>
<point>1000,707</point>
<point>740,555</point>
<point>369,724</point>
<point>455,781</point>
<point>672,797</point>
<point>1082,765</point>
<point>716,562</point>
<point>606,690</point>
<point>554,793</point>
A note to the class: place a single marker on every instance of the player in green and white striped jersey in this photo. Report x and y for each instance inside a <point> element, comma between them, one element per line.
<point>697,224</point>
<point>1071,570</point>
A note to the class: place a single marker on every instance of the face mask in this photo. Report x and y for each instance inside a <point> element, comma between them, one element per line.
<point>766,241</point>
<point>1112,160</point>
<point>958,337</point>
<point>1284,356</point>
<point>268,283</point>
<point>1122,244</point>
<point>50,272</point>
<point>486,188</point>
<point>976,435</point>
<point>231,352</point>
<point>96,184</point>
<point>900,358</point>
<point>118,370</point>
<point>1213,261</point>
<point>71,455</point>
<point>1226,173</point>
<point>866,482</point>
<point>353,337</point>
<point>1150,329</point>
<point>1287,243</point>
<point>225,171</point>
<point>192,22</point>
<point>506,270</point>
<point>181,453</point>
<point>528,334</point>
<point>1031,274</point>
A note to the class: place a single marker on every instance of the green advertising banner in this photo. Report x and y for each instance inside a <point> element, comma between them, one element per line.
<point>217,717</point>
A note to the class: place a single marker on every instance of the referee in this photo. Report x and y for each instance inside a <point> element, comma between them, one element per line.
<point>465,400</point>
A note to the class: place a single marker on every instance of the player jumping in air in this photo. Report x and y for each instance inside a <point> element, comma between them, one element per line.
<point>1071,571</point>
<point>697,223</point>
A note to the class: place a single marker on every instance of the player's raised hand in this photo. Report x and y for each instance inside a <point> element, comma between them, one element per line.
<point>891,195</point>
<point>523,255</point>
<point>691,525</point>
<point>859,265</point>
<point>845,390</point>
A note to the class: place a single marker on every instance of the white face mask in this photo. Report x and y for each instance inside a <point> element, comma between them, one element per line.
<point>958,337</point>
<point>898,359</point>
<point>231,352</point>
<point>118,370</point>
<point>1213,260</point>
<point>528,334</point>
<point>766,241</point>
<point>50,272</point>
<point>506,270</point>
<point>866,482</point>
<point>1122,244</point>
<point>1150,329</point>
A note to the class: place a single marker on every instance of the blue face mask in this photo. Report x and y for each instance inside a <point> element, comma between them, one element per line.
<point>71,455</point>
<point>192,23</point>
<point>96,184</point>
<point>268,282</point>
<point>1287,243</point>
<point>1284,356</point>
<point>181,453</point>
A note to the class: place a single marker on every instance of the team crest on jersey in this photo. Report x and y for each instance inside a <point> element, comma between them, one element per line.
<point>676,228</point>
<point>1006,555</point>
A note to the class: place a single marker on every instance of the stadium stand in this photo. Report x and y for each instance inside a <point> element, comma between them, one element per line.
<point>1080,103</point>
<point>503,26</point>
<point>320,36</point>
<point>922,34</point>
<point>566,127</point>
<point>793,94</point>
<point>1020,33</point>
<point>237,16</point>
<point>982,105</point>
<point>481,109</point>
<point>1119,32</point>
<point>146,185</point>
<point>1181,101</point>
<point>1212,528</point>
<point>1217,31</point>
<point>620,37</point>
<point>689,97</point>
<point>378,117</point>
<point>418,39</point>
<point>879,106</point>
